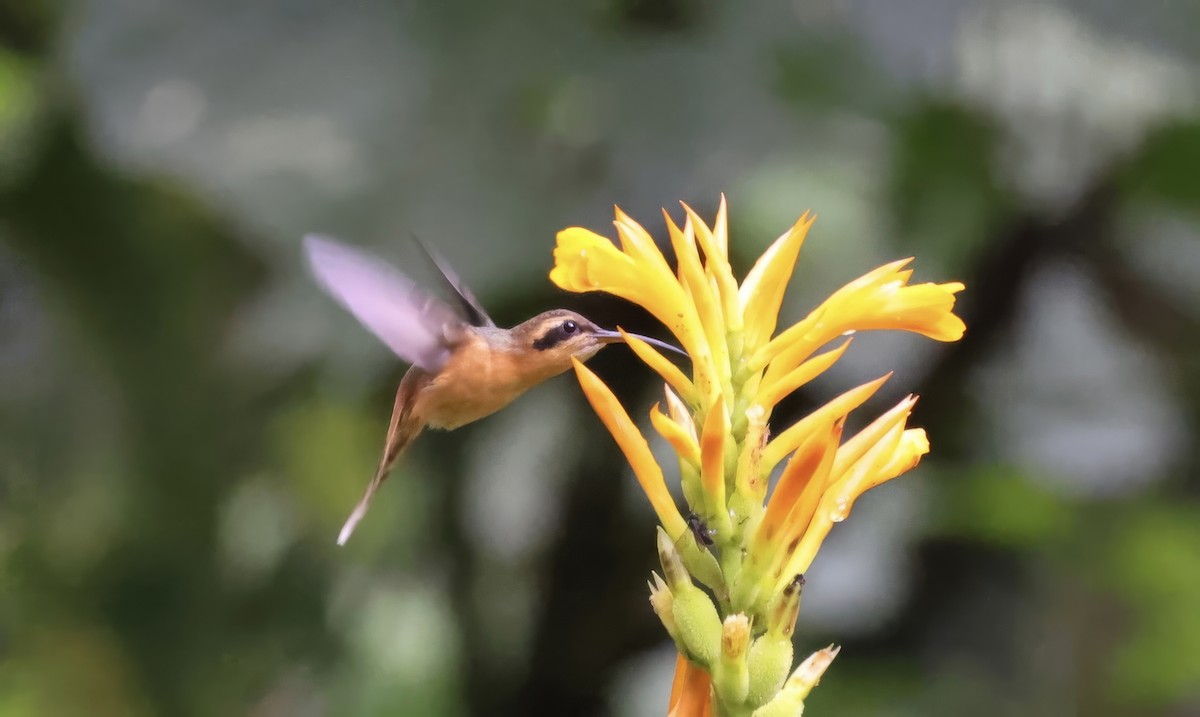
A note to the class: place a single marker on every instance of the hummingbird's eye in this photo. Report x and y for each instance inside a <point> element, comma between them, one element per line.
<point>569,327</point>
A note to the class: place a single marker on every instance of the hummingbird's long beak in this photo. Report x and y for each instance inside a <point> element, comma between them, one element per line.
<point>613,337</point>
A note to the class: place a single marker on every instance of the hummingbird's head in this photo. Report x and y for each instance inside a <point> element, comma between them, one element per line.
<point>567,334</point>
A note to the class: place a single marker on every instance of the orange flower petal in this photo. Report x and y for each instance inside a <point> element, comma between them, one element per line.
<point>691,691</point>
<point>804,469</point>
<point>712,464</point>
<point>634,446</point>
<point>834,506</point>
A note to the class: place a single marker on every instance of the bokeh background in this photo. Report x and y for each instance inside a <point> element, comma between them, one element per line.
<point>185,420</point>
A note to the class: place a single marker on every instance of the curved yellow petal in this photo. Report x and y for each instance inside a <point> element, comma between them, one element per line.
<point>660,364</point>
<point>880,299</point>
<point>586,261</point>
<point>761,293</point>
<point>772,393</point>
<point>634,446</point>
<point>804,508</point>
<point>642,248</point>
<point>716,264</point>
<point>678,436</point>
<point>787,441</point>
<point>864,440</point>
<point>691,275</point>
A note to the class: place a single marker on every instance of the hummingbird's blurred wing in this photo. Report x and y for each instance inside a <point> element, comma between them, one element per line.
<point>476,314</point>
<point>418,327</point>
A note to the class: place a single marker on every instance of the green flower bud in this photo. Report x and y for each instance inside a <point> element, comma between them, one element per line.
<point>769,661</point>
<point>696,619</point>
<point>731,677</point>
<point>790,700</point>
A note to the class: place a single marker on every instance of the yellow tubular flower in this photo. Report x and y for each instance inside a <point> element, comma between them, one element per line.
<point>748,547</point>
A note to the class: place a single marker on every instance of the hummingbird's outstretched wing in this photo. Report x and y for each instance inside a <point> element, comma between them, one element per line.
<point>476,314</point>
<point>418,327</point>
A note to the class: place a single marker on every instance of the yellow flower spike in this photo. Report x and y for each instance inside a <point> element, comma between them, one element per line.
<point>835,504</point>
<point>716,420</point>
<point>712,466</point>
<point>660,364</point>
<point>634,446</point>
<point>716,265</point>
<point>680,439</point>
<point>772,393</point>
<point>761,293</point>
<point>786,442</point>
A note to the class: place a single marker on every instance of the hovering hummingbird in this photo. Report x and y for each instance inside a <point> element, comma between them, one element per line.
<point>464,367</point>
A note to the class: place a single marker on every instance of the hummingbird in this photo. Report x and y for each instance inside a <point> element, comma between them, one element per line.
<point>463,366</point>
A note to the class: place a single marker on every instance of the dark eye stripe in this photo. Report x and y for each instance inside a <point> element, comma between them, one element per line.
<point>556,335</point>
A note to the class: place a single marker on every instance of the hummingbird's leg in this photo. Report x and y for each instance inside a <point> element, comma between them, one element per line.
<point>403,428</point>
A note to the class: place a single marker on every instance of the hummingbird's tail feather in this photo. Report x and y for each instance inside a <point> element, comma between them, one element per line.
<point>404,427</point>
<point>355,517</point>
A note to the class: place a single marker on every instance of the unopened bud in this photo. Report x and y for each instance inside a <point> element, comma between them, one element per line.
<point>672,562</point>
<point>809,673</point>
<point>663,603</point>
<point>731,677</point>
<point>790,700</point>
<point>769,662</point>
<point>781,618</point>
<point>696,620</point>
